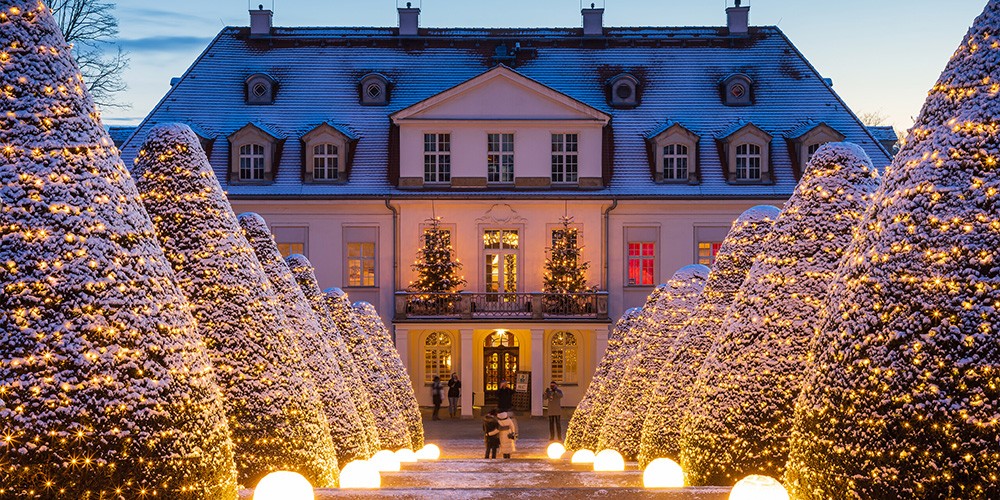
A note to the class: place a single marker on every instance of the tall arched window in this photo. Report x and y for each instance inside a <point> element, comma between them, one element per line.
<point>251,162</point>
<point>437,356</point>
<point>747,162</point>
<point>563,353</point>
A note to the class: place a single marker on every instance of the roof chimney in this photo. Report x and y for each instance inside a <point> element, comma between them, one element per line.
<point>738,19</point>
<point>409,20</point>
<point>260,22</point>
<point>593,24</point>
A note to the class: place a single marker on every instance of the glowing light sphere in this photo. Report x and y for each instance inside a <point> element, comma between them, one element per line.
<point>385,461</point>
<point>406,455</point>
<point>360,475</point>
<point>283,485</point>
<point>429,452</point>
<point>556,451</point>
<point>663,473</point>
<point>582,457</point>
<point>756,487</point>
<point>609,461</point>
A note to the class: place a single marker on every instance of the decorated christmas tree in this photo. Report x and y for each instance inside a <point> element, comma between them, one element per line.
<point>305,276</point>
<point>661,429</point>
<point>901,397</point>
<point>740,413</point>
<point>106,390</point>
<point>436,271</point>
<point>275,414</point>
<point>581,432</point>
<point>393,432</point>
<point>346,427</point>
<point>564,273</point>
<point>372,324</point>
<point>658,326</point>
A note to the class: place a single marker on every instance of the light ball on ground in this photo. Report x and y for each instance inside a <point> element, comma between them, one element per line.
<point>609,461</point>
<point>385,461</point>
<point>555,451</point>
<point>429,452</point>
<point>582,457</point>
<point>283,485</point>
<point>663,473</point>
<point>756,487</point>
<point>406,455</point>
<point>360,474</point>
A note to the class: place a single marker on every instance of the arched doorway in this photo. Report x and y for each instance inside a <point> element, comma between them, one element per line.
<point>500,362</point>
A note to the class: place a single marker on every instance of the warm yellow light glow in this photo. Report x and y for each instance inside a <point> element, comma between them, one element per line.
<point>609,461</point>
<point>556,451</point>
<point>360,474</point>
<point>385,461</point>
<point>406,455</point>
<point>663,473</point>
<point>429,452</point>
<point>756,487</point>
<point>582,457</point>
<point>283,485</point>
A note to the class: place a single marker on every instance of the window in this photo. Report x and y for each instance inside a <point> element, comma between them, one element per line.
<point>500,158</point>
<point>747,162</point>
<point>361,264</point>
<point>259,89</point>
<point>565,164</point>
<point>641,263</point>
<point>290,240</point>
<point>737,90</point>
<point>251,162</point>
<point>374,89</point>
<point>707,250</point>
<point>563,353</point>
<point>287,249</point>
<point>501,253</point>
<point>624,91</point>
<point>675,162</point>
<point>811,150</point>
<point>437,158</point>
<point>437,356</point>
<point>326,162</point>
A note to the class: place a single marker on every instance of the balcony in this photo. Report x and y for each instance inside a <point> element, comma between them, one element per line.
<point>487,306</point>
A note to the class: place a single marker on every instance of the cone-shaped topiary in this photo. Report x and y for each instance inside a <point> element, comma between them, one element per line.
<point>581,431</point>
<point>661,429</point>
<point>106,390</point>
<point>388,410</point>
<point>346,428</point>
<point>740,413</point>
<point>372,324</point>
<point>305,276</point>
<point>900,400</point>
<point>658,327</point>
<point>275,415</point>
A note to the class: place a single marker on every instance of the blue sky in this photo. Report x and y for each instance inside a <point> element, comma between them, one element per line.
<point>883,55</point>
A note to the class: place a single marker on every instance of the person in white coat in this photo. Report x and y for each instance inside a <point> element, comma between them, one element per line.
<point>508,433</point>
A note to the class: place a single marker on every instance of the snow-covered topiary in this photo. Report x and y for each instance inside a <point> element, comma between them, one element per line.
<point>901,398</point>
<point>305,276</point>
<point>106,390</point>
<point>657,326</point>
<point>275,415</point>
<point>739,417</point>
<point>388,410</point>
<point>372,324</point>
<point>581,432</point>
<point>661,429</point>
<point>346,427</point>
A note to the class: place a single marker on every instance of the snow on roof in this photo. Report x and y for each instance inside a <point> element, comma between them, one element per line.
<point>883,133</point>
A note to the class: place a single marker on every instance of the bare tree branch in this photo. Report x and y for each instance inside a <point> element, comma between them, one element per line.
<point>874,118</point>
<point>91,27</point>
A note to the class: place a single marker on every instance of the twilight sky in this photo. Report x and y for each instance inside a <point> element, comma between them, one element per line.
<point>883,55</point>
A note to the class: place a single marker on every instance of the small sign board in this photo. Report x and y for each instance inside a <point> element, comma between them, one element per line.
<point>522,392</point>
<point>523,382</point>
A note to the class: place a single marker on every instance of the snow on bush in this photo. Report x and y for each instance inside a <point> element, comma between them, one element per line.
<point>372,324</point>
<point>275,414</point>
<point>901,399</point>
<point>393,431</point>
<point>105,386</point>
<point>305,276</point>
<point>657,328</point>
<point>346,427</point>
<point>661,429</point>
<point>581,432</point>
<point>740,413</point>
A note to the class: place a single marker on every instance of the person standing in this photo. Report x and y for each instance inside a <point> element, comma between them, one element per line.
<point>505,397</point>
<point>508,433</point>
<point>553,395</point>
<point>454,392</point>
<point>491,433</point>
<point>437,396</point>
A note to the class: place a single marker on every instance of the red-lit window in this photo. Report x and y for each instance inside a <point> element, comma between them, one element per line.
<point>641,263</point>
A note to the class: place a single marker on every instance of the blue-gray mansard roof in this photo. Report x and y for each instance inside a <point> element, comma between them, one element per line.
<point>679,69</point>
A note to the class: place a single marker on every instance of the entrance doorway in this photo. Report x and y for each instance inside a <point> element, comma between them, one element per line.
<point>500,362</point>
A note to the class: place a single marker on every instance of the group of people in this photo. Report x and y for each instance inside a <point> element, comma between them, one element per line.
<point>500,428</point>
<point>454,393</point>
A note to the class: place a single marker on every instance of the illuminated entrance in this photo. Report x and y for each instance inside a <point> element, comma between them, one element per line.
<point>500,362</point>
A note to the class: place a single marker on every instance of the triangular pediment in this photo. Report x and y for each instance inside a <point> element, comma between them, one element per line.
<point>500,94</point>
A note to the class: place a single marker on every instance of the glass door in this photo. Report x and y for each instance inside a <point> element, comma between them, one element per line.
<point>500,362</point>
<point>501,268</point>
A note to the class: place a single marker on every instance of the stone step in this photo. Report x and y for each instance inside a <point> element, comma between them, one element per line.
<point>702,493</point>
<point>511,465</point>
<point>508,479</point>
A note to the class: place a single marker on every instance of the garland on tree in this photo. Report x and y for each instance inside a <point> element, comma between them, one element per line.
<point>436,271</point>
<point>564,273</point>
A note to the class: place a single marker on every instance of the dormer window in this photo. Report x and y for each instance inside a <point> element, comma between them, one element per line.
<point>805,139</point>
<point>748,162</point>
<point>746,154</point>
<point>253,154</point>
<point>326,162</point>
<point>673,157</point>
<point>624,91</point>
<point>260,89</point>
<point>675,162</point>
<point>737,90</point>
<point>252,162</point>
<point>811,150</point>
<point>327,153</point>
<point>374,90</point>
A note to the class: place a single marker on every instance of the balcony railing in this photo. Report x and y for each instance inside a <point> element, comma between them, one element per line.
<point>483,305</point>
